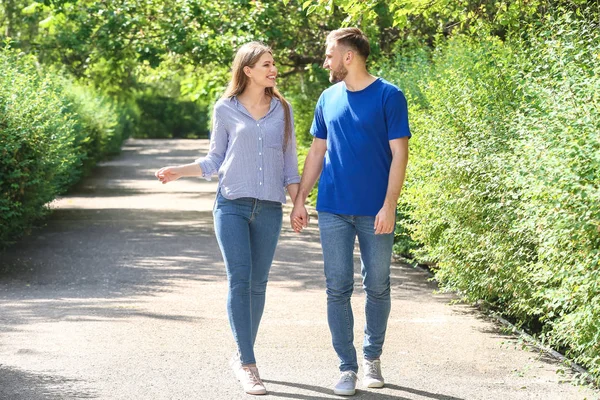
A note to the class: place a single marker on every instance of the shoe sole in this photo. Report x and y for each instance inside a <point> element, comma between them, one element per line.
<point>344,392</point>
<point>257,392</point>
<point>375,384</point>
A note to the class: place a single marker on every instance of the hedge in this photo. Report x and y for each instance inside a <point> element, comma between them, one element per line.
<point>51,132</point>
<point>503,187</point>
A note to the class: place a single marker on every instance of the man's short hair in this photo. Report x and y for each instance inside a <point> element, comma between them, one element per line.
<point>353,38</point>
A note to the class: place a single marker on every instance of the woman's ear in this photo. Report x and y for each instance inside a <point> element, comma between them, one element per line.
<point>248,71</point>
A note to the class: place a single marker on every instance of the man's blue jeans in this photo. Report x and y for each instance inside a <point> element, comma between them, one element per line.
<point>338,234</point>
<point>247,231</point>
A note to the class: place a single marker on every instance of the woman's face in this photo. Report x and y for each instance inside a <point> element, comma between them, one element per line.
<point>264,71</point>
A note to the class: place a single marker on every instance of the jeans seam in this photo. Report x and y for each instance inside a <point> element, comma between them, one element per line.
<point>349,330</point>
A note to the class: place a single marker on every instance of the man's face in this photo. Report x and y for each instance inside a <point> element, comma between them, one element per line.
<point>334,58</point>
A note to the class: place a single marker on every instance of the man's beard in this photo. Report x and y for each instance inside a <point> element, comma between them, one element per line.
<point>338,75</point>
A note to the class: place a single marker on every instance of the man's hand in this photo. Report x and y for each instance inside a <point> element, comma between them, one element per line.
<point>299,218</point>
<point>385,221</point>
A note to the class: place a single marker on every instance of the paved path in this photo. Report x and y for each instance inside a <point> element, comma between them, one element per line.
<point>122,296</point>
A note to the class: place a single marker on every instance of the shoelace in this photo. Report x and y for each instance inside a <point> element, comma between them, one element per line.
<point>373,370</point>
<point>252,376</point>
<point>348,377</point>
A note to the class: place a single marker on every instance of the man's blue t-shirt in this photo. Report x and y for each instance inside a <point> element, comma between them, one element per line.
<point>358,127</point>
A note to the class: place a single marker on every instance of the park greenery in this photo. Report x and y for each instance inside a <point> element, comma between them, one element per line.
<point>502,198</point>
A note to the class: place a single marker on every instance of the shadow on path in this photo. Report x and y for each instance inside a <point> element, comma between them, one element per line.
<point>360,393</point>
<point>17,384</point>
<point>86,264</point>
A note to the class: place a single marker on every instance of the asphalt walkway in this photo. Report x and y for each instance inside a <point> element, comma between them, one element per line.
<point>122,296</point>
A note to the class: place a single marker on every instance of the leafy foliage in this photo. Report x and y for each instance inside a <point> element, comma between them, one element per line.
<point>504,177</point>
<point>51,132</point>
<point>110,43</point>
<point>416,20</point>
<point>37,146</point>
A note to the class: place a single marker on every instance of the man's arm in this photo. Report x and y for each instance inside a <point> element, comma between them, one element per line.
<point>312,169</point>
<point>386,217</point>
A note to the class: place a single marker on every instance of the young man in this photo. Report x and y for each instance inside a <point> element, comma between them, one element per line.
<point>360,151</point>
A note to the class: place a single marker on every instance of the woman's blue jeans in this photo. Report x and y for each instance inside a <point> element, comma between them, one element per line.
<point>247,231</point>
<point>338,234</point>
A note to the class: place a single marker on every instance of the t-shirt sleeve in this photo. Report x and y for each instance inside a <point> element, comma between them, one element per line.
<point>396,116</point>
<point>318,128</point>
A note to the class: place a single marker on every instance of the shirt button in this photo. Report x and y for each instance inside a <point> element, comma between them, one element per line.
<point>260,169</point>
<point>257,124</point>
<point>259,138</point>
<point>261,183</point>
<point>260,154</point>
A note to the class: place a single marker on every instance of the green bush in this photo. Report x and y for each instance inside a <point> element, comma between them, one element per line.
<point>38,144</point>
<point>560,82</point>
<point>51,131</point>
<point>99,126</point>
<point>166,117</point>
<point>503,185</point>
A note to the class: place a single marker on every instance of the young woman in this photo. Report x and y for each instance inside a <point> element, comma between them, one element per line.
<point>253,149</point>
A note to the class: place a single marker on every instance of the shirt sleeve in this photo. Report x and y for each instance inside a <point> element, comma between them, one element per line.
<point>318,128</point>
<point>396,116</point>
<point>290,158</point>
<point>218,147</point>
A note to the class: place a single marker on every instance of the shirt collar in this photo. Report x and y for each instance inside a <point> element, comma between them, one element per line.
<point>242,109</point>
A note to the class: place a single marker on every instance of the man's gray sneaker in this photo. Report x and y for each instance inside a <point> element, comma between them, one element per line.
<point>372,374</point>
<point>346,386</point>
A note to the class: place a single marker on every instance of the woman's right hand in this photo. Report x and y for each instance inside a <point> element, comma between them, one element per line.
<point>168,174</point>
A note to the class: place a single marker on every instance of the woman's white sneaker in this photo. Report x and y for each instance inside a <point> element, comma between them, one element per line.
<point>235,364</point>
<point>372,377</point>
<point>346,386</point>
<point>251,381</point>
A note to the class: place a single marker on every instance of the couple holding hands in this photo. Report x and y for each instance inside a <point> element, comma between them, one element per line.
<point>359,152</point>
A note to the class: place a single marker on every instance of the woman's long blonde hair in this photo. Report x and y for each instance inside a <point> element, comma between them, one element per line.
<point>247,56</point>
